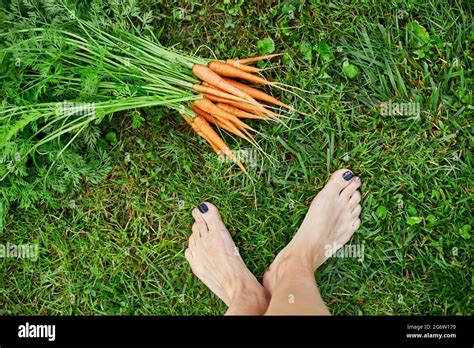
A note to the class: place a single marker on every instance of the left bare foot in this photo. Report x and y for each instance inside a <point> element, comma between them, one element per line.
<point>215,260</point>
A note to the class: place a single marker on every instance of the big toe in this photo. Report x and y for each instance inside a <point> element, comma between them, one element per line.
<point>210,214</point>
<point>340,179</point>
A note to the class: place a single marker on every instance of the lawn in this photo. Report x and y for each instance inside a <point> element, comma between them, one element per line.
<point>117,246</point>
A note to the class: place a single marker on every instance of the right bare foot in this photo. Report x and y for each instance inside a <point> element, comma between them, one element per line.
<point>332,219</point>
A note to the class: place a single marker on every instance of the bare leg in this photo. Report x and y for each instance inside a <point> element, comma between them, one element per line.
<point>331,220</point>
<point>215,260</point>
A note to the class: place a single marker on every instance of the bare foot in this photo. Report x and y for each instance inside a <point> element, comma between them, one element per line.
<point>332,219</point>
<point>215,260</point>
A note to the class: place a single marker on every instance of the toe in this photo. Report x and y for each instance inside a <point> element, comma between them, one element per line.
<point>340,179</point>
<point>197,216</point>
<point>210,214</point>
<point>348,191</point>
<point>199,228</point>
<point>192,240</point>
<point>354,200</point>
<point>356,225</point>
<point>356,211</point>
<point>188,254</point>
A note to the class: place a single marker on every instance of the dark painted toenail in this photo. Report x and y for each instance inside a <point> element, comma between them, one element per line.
<point>203,208</point>
<point>348,175</point>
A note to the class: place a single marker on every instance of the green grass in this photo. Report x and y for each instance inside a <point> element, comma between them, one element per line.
<point>118,247</point>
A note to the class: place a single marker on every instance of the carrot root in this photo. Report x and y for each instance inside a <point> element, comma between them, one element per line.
<point>239,113</point>
<point>216,149</point>
<point>228,126</point>
<point>246,68</point>
<point>219,93</point>
<point>258,94</point>
<point>204,126</point>
<point>204,73</point>
<point>257,58</point>
<point>223,69</point>
<point>208,106</point>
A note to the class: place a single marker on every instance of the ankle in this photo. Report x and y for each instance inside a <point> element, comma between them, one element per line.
<point>246,298</point>
<point>292,264</point>
<point>298,257</point>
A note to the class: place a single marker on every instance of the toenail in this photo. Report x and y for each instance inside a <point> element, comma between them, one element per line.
<point>357,178</point>
<point>203,208</point>
<point>348,175</point>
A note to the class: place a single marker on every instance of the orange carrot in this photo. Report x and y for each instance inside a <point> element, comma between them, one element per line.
<point>217,92</point>
<point>207,130</point>
<point>223,123</point>
<point>215,148</point>
<point>238,65</point>
<point>218,99</point>
<point>227,125</point>
<point>199,132</point>
<point>211,118</point>
<point>199,111</point>
<point>243,106</point>
<point>208,106</point>
<point>251,109</point>
<point>224,69</point>
<point>188,121</point>
<point>257,58</point>
<point>257,94</point>
<point>238,112</point>
<point>203,73</point>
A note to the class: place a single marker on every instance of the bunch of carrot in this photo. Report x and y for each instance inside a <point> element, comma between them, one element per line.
<point>59,79</point>
<point>226,101</point>
<point>116,70</point>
